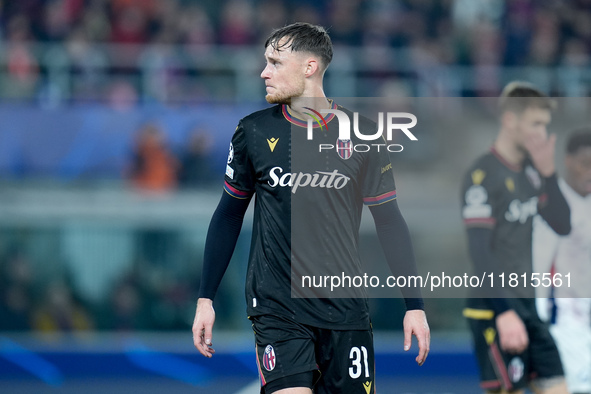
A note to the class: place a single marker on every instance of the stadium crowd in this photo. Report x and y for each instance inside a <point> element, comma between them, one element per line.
<point>423,34</point>
<point>521,31</point>
<point>141,299</point>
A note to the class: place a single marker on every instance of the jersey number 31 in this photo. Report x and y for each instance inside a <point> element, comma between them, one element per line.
<point>355,357</point>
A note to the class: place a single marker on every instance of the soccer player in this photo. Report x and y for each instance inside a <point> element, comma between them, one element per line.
<point>501,193</point>
<point>568,307</point>
<point>304,344</point>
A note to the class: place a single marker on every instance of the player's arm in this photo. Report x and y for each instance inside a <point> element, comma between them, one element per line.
<point>512,333</point>
<point>544,249</point>
<point>553,207</point>
<point>395,239</point>
<point>222,236</point>
<point>477,212</point>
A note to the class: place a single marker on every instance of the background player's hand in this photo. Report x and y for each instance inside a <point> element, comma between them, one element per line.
<point>203,325</point>
<point>541,151</point>
<point>512,333</point>
<point>415,322</point>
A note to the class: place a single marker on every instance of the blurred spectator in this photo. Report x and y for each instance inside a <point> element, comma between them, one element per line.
<point>161,67</point>
<point>33,9</point>
<point>344,20</point>
<point>95,21</point>
<point>16,292</point>
<point>166,17</point>
<point>236,23</point>
<point>545,42</point>
<point>59,17</point>
<point>576,53</point>
<point>154,167</point>
<point>60,312</point>
<point>270,14</point>
<point>196,28</point>
<point>376,39</point>
<point>127,309</point>
<point>170,307</point>
<point>305,12</point>
<point>121,95</point>
<point>574,62</point>
<point>517,32</point>
<point>129,25</point>
<point>196,161</point>
<point>15,308</point>
<point>582,23</point>
<point>468,13</point>
<point>16,269</point>
<point>21,64</point>
<point>88,63</point>
<point>487,48</point>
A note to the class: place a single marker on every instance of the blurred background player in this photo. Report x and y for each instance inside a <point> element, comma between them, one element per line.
<point>501,193</point>
<point>566,307</point>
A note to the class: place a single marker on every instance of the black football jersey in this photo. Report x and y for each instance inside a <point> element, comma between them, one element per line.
<point>308,204</point>
<point>503,197</point>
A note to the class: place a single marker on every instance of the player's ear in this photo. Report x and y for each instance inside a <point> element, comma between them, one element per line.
<point>568,162</point>
<point>508,119</point>
<point>312,67</point>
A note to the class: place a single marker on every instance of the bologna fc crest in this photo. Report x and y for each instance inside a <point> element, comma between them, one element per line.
<point>516,369</point>
<point>344,148</point>
<point>231,153</point>
<point>269,358</point>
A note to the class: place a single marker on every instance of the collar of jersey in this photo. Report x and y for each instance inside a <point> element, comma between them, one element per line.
<point>302,123</point>
<point>512,167</point>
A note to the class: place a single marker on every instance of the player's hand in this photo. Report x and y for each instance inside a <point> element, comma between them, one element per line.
<point>415,322</point>
<point>512,333</point>
<point>202,327</point>
<point>541,151</point>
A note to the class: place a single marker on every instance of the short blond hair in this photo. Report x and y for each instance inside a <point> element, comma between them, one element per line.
<point>518,96</point>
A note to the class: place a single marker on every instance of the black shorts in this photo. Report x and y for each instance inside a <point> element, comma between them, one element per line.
<point>499,369</point>
<point>291,354</point>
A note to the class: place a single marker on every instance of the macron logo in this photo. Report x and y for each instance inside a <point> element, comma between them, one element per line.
<point>272,143</point>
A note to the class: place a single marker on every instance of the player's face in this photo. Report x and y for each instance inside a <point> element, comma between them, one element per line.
<point>531,124</point>
<point>578,167</point>
<point>284,74</point>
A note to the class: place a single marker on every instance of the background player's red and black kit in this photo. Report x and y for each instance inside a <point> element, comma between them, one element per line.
<point>504,198</point>
<point>306,230</point>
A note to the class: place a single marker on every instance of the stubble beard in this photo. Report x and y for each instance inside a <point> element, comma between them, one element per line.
<point>278,99</point>
<point>286,96</point>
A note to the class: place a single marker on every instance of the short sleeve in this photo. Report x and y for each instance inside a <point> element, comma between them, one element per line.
<point>377,185</point>
<point>239,178</point>
<point>477,204</point>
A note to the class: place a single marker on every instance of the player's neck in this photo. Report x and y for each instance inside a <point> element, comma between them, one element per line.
<point>509,151</point>
<point>300,107</point>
